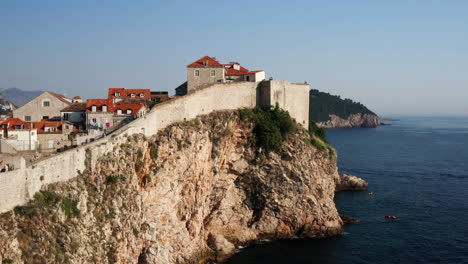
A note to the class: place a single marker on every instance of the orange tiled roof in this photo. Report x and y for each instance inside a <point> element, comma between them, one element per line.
<point>234,72</point>
<point>12,122</point>
<point>75,107</point>
<point>40,126</point>
<point>127,93</point>
<point>99,103</point>
<point>134,107</point>
<point>205,61</point>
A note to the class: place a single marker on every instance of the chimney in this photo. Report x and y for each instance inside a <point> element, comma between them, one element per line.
<point>5,131</point>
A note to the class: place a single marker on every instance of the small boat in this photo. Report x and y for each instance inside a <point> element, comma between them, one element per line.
<point>390,217</point>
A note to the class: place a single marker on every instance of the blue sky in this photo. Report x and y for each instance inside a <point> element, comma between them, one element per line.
<point>396,57</point>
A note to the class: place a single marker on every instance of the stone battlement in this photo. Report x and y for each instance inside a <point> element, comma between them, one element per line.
<point>19,186</point>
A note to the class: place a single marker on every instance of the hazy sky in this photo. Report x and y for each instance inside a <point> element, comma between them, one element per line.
<point>396,57</point>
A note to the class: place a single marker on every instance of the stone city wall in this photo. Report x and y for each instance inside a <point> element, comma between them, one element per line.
<point>19,186</point>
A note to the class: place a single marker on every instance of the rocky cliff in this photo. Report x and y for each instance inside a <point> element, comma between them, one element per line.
<point>189,194</point>
<point>353,120</point>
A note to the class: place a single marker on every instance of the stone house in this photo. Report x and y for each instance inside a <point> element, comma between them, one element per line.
<point>17,136</point>
<point>208,70</point>
<point>103,114</point>
<point>45,136</point>
<point>75,113</point>
<point>45,106</point>
<point>54,135</point>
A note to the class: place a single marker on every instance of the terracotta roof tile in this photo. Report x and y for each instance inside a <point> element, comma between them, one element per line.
<point>127,93</point>
<point>12,122</point>
<point>75,107</point>
<point>205,61</point>
<point>99,103</point>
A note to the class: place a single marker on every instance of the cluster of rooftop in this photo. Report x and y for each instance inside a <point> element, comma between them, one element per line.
<point>52,122</point>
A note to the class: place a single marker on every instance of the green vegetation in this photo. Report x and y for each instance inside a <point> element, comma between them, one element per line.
<point>154,151</point>
<point>41,178</point>
<point>7,260</point>
<point>318,139</point>
<point>227,132</point>
<point>139,154</point>
<point>46,198</point>
<point>323,104</point>
<point>111,179</point>
<point>272,126</point>
<point>136,232</point>
<point>70,208</point>
<point>317,131</point>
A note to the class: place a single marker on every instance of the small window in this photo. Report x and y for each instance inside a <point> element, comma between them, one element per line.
<point>132,95</point>
<point>213,73</point>
<point>104,108</point>
<point>45,117</point>
<point>67,127</point>
<point>93,108</point>
<point>94,120</point>
<point>117,94</point>
<point>119,111</point>
<point>51,144</point>
<point>65,116</point>
<point>142,95</point>
<point>27,118</point>
<point>129,111</point>
<point>197,73</point>
<point>46,103</point>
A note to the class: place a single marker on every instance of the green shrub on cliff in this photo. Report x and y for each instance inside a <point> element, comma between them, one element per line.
<point>317,131</point>
<point>70,207</point>
<point>272,125</point>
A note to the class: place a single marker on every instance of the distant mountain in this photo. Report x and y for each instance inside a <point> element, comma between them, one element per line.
<point>331,111</point>
<point>17,96</point>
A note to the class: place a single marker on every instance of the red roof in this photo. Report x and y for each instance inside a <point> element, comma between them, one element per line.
<point>205,61</point>
<point>99,103</point>
<point>124,107</point>
<point>12,122</point>
<point>40,126</point>
<point>234,72</point>
<point>111,107</point>
<point>127,93</point>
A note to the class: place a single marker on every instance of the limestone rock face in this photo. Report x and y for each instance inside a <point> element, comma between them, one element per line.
<point>347,182</point>
<point>189,194</point>
<point>354,120</point>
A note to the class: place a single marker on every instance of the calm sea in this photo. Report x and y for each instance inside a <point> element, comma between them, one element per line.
<point>417,169</point>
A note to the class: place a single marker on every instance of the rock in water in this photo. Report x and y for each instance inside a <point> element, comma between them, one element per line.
<point>347,182</point>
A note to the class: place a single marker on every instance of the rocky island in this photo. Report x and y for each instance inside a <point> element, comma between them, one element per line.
<point>191,193</point>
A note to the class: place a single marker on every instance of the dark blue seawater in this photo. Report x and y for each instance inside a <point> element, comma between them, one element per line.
<point>418,171</point>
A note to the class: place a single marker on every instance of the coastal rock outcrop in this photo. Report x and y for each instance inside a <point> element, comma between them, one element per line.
<point>354,120</point>
<point>347,182</point>
<point>189,194</point>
